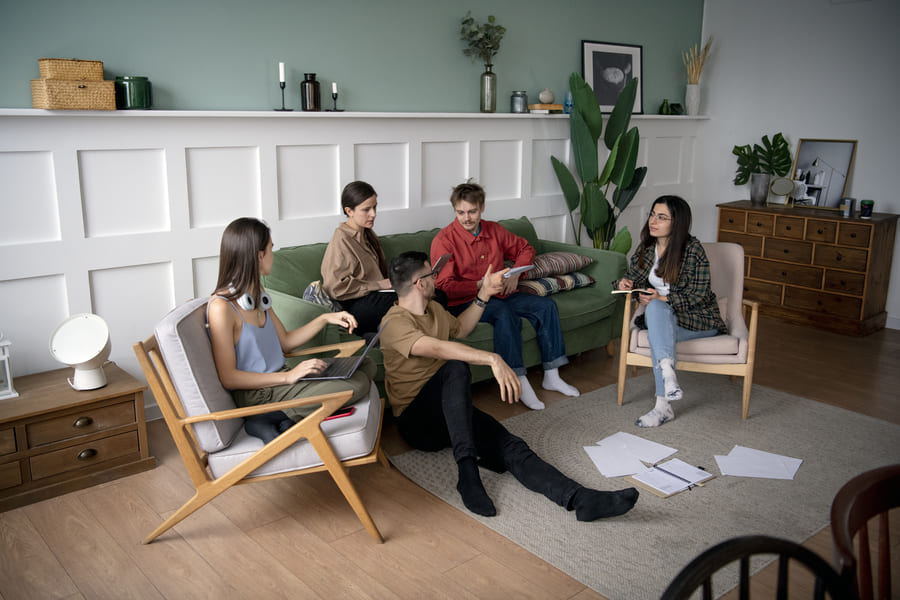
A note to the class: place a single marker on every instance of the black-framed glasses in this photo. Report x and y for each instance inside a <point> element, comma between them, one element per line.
<point>431,273</point>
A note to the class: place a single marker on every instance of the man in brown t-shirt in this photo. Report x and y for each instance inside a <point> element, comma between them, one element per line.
<point>429,386</point>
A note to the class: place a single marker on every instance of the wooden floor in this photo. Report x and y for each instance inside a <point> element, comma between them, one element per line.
<point>298,538</point>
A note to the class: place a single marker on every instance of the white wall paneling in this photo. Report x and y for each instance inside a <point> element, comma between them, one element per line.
<point>121,213</point>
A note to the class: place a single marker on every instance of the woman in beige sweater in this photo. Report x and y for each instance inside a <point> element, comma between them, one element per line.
<point>354,270</point>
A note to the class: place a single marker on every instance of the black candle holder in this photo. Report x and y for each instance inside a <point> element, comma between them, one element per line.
<point>335,109</point>
<point>281,84</point>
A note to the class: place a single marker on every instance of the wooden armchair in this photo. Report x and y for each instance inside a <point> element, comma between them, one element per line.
<point>865,497</point>
<point>698,574</point>
<point>727,354</point>
<point>208,428</point>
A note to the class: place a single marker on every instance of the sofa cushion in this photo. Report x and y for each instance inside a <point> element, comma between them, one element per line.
<point>546,286</point>
<point>294,268</point>
<point>551,264</point>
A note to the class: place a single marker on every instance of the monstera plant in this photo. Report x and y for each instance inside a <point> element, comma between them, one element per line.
<point>604,192</point>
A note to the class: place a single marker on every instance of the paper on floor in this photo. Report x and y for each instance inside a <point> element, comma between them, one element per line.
<point>747,462</point>
<point>621,454</point>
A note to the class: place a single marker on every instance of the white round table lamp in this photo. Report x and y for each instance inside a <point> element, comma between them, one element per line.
<point>82,341</point>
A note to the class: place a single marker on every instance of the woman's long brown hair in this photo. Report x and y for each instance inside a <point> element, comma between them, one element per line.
<point>239,250</point>
<point>670,261</point>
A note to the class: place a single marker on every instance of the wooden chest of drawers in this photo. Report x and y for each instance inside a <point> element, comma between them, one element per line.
<point>54,439</point>
<point>814,267</point>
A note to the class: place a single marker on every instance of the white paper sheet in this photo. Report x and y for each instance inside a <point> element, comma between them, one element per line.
<point>612,463</point>
<point>747,462</point>
<point>632,445</point>
<point>621,454</point>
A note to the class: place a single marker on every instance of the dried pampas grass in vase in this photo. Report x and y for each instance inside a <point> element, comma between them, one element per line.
<point>694,61</point>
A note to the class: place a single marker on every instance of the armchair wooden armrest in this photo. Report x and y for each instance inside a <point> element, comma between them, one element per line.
<point>343,348</point>
<point>330,401</point>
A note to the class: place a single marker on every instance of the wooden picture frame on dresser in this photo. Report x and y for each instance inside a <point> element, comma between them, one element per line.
<point>55,439</point>
<point>814,267</point>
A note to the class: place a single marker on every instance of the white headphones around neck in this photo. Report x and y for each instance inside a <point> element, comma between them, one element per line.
<point>246,301</point>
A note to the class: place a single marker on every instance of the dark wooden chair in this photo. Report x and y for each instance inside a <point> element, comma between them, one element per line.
<point>699,572</point>
<point>864,498</point>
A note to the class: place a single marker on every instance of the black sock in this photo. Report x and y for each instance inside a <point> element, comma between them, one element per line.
<point>471,489</point>
<point>591,505</point>
<point>267,426</point>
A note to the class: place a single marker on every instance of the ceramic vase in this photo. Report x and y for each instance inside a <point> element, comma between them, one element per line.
<point>488,90</point>
<point>692,99</point>
<point>759,188</point>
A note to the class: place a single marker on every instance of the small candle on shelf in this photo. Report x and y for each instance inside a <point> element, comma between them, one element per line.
<point>334,87</point>
<point>281,72</point>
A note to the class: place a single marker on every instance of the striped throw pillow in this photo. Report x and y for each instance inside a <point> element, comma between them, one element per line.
<point>553,285</point>
<point>556,263</point>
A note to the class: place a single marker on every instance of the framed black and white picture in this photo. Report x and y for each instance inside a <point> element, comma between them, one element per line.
<point>607,68</point>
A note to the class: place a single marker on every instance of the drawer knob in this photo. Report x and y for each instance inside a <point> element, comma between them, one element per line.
<point>788,227</point>
<point>783,274</point>
<point>83,422</point>
<point>819,231</point>
<point>87,454</point>
<point>731,220</point>
<point>786,251</point>
<point>838,257</point>
<point>758,224</point>
<point>853,235</point>
<point>843,283</point>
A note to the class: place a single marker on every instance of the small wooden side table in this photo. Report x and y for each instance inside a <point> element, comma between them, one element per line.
<point>54,439</point>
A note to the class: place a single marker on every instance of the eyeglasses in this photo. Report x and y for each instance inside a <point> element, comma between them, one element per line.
<point>660,218</point>
<point>426,275</point>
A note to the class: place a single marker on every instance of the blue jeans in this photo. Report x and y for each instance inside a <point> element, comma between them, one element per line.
<point>663,332</point>
<point>505,314</point>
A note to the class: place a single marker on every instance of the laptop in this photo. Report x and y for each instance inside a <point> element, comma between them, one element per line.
<point>343,367</point>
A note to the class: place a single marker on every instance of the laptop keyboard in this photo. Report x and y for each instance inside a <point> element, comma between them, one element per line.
<point>340,366</point>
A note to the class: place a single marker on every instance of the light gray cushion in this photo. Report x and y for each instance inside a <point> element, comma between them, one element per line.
<point>184,344</point>
<point>350,437</point>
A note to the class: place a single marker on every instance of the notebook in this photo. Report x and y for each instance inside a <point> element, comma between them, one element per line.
<point>343,367</point>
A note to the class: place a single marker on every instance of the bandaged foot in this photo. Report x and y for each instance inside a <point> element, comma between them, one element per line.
<point>554,383</point>
<point>591,505</point>
<point>670,380</point>
<point>661,413</point>
<point>472,490</point>
<point>528,397</point>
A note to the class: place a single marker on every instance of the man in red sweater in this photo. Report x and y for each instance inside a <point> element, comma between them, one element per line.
<point>476,244</point>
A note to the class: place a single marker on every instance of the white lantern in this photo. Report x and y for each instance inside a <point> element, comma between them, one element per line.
<point>6,382</point>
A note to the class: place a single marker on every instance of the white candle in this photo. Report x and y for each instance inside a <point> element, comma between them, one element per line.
<point>281,72</point>
<point>334,87</point>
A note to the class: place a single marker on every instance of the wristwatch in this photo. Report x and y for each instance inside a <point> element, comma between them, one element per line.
<point>479,302</point>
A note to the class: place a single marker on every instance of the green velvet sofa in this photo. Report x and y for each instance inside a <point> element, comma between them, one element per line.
<point>591,317</point>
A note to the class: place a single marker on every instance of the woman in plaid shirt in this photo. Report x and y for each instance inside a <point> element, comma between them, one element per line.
<point>680,305</point>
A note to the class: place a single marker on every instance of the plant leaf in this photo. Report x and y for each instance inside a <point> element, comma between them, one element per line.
<point>621,114</point>
<point>584,146</point>
<point>627,158</point>
<point>622,242</point>
<point>623,196</point>
<point>595,209</point>
<point>610,163</point>
<point>585,102</point>
<point>568,184</point>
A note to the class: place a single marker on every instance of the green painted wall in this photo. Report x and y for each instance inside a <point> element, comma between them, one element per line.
<point>386,55</point>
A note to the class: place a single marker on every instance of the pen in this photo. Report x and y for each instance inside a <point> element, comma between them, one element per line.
<point>690,485</point>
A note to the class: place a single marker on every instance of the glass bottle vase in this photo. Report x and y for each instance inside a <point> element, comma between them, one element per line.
<point>488,90</point>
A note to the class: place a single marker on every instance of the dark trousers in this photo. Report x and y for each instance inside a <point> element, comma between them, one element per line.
<point>371,308</point>
<point>442,416</point>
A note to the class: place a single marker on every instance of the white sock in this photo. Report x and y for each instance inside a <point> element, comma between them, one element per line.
<point>670,380</point>
<point>553,382</point>
<point>661,413</point>
<point>528,397</point>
